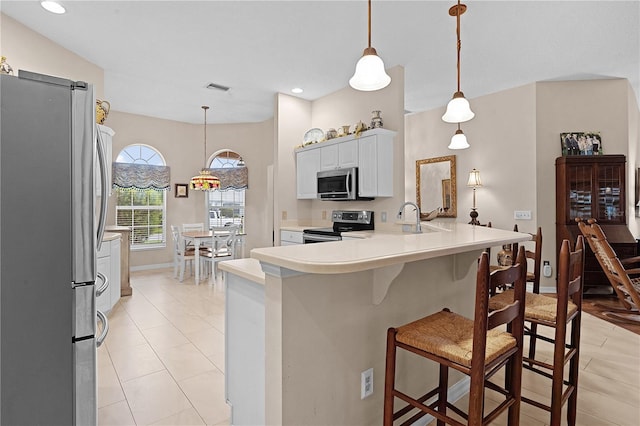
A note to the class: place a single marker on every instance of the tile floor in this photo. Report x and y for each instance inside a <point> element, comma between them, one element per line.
<point>163,362</point>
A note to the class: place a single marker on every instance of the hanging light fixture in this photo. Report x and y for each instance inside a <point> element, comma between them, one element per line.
<point>458,108</point>
<point>205,181</point>
<point>459,140</point>
<point>370,74</point>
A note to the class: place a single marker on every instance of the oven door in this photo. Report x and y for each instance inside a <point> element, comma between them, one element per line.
<point>318,238</point>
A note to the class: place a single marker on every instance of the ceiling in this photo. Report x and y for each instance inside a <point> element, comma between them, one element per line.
<point>159,56</point>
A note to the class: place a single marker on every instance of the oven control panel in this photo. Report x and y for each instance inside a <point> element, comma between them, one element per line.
<point>352,216</point>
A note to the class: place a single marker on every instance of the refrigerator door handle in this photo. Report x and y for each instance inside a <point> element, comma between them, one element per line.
<point>105,328</point>
<point>104,286</point>
<point>104,183</point>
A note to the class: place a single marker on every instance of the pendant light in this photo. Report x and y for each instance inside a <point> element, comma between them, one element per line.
<point>459,140</point>
<point>458,108</point>
<point>370,74</point>
<point>205,181</point>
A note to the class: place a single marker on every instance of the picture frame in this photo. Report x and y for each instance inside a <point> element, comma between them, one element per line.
<point>181,190</point>
<point>581,143</point>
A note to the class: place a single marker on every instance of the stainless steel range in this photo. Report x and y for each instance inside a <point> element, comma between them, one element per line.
<point>343,221</point>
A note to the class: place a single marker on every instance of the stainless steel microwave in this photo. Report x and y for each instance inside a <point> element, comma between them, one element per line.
<point>339,185</point>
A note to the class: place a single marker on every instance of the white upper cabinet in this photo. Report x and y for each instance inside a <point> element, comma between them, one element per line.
<point>307,165</point>
<point>371,152</point>
<point>339,156</point>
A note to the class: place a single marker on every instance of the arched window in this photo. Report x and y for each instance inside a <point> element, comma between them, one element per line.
<point>141,180</point>
<point>226,205</point>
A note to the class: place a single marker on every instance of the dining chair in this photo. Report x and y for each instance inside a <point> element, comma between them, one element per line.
<point>223,246</point>
<point>477,347</point>
<point>190,227</point>
<point>181,254</point>
<point>563,315</point>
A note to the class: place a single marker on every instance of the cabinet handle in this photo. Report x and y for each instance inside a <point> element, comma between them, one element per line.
<point>104,286</point>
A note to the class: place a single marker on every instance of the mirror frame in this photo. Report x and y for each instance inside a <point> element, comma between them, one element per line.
<point>453,210</point>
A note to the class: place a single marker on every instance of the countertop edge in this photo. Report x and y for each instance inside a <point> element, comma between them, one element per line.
<point>413,250</point>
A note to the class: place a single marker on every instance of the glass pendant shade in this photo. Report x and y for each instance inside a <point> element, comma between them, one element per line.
<point>459,141</point>
<point>204,181</point>
<point>458,109</point>
<point>370,73</point>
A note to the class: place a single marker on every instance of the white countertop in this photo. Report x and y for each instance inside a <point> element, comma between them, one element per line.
<point>384,248</point>
<point>246,268</point>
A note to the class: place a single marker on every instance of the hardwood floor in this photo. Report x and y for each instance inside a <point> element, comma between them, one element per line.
<point>163,362</point>
<point>602,307</point>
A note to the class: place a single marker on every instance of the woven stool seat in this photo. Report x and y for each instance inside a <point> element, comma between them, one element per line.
<point>450,336</point>
<point>537,306</point>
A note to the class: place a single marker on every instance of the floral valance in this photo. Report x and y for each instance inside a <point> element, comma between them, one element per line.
<point>141,176</point>
<point>232,177</point>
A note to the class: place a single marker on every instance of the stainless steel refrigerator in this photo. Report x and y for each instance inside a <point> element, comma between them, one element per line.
<point>49,235</point>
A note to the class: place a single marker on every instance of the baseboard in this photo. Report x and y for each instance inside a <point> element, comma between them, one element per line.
<point>455,392</point>
<point>543,289</point>
<point>148,267</point>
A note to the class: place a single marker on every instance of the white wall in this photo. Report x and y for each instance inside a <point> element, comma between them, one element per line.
<point>515,139</point>
<point>182,145</point>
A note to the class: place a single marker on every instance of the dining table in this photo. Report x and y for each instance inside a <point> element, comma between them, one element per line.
<point>199,238</point>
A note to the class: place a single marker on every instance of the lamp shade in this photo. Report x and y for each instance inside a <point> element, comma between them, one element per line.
<point>370,73</point>
<point>458,141</point>
<point>474,178</point>
<point>458,110</point>
<point>204,181</point>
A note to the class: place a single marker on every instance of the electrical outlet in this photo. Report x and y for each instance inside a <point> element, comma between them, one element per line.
<point>383,216</point>
<point>366,383</point>
<point>324,214</point>
<point>284,215</point>
<point>522,214</point>
<point>546,269</point>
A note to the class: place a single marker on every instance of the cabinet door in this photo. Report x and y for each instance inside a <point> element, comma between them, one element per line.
<point>375,169</point>
<point>339,156</point>
<point>307,166</point>
<point>290,237</point>
<point>580,189</point>
<point>609,181</point>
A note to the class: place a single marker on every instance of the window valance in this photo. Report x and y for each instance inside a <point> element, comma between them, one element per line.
<point>232,177</point>
<point>141,176</point>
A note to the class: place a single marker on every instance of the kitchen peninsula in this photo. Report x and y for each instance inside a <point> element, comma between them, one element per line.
<point>320,312</point>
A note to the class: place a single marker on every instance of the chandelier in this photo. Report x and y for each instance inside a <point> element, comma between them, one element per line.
<point>205,181</point>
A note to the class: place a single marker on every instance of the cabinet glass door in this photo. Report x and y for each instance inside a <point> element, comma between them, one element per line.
<point>580,186</point>
<point>609,190</point>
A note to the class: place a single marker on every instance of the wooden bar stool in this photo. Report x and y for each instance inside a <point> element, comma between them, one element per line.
<point>557,313</point>
<point>473,347</point>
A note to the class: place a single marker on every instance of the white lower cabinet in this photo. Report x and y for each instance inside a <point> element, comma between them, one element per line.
<point>109,266</point>
<point>288,238</point>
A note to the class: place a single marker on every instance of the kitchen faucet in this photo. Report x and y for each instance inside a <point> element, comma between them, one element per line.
<point>410,203</point>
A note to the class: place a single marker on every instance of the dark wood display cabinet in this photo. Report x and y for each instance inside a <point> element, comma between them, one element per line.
<point>593,187</point>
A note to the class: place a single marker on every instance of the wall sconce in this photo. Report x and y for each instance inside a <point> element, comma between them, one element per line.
<point>474,182</point>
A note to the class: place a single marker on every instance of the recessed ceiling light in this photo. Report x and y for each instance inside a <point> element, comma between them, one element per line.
<point>53,6</point>
<point>297,90</point>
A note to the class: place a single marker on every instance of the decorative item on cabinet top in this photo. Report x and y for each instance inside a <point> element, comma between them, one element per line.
<point>581,143</point>
<point>5,68</point>
<point>102,110</point>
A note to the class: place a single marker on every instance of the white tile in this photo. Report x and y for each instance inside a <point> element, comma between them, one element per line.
<point>135,362</point>
<point>188,417</point>
<point>117,414</point>
<point>164,336</point>
<point>206,393</point>
<point>184,361</point>
<point>155,397</point>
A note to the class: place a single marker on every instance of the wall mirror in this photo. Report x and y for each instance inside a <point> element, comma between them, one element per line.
<point>436,186</point>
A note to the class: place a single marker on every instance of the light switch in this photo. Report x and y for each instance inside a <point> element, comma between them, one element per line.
<point>522,214</point>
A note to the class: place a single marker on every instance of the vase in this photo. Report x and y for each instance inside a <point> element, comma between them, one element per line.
<point>376,120</point>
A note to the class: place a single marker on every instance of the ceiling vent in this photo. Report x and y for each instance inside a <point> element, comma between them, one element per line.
<point>214,86</point>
